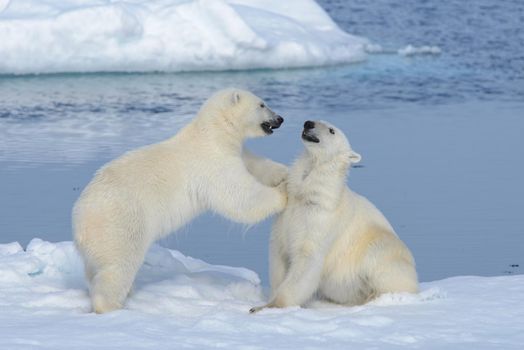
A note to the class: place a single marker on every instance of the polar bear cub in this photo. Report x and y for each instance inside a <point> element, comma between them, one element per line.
<point>329,240</point>
<point>148,193</point>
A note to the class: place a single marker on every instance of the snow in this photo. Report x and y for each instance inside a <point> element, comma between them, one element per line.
<point>169,35</point>
<point>180,302</point>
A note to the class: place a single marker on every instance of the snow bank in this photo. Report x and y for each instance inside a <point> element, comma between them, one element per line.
<point>169,35</point>
<point>46,271</point>
<point>180,302</point>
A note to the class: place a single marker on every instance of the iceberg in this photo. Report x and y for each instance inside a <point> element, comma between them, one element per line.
<point>59,36</point>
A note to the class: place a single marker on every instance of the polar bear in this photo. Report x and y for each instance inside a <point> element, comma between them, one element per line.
<point>330,241</point>
<point>149,192</point>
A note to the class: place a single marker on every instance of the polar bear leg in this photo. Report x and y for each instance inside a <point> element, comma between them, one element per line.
<point>277,267</point>
<point>110,287</point>
<point>89,272</point>
<point>242,198</point>
<point>113,276</point>
<point>301,281</point>
<point>395,277</point>
<point>112,283</point>
<point>267,171</point>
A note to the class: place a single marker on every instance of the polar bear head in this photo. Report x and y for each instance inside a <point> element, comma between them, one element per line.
<point>240,112</point>
<point>325,141</point>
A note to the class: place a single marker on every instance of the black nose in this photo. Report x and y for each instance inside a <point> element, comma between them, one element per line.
<point>309,125</point>
<point>280,120</point>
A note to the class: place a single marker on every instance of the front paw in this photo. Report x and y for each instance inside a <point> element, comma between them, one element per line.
<point>279,176</point>
<point>275,303</point>
<point>256,309</point>
<point>260,308</point>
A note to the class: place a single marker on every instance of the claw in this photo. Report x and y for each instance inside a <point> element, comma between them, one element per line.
<point>256,309</point>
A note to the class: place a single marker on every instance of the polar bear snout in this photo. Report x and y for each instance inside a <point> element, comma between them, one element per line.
<point>309,125</point>
<point>271,124</point>
<point>276,122</point>
<point>307,133</point>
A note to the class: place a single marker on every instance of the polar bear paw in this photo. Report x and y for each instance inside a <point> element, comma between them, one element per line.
<point>279,175</point>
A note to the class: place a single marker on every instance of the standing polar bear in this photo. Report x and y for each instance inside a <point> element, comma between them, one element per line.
<point>149,192</point>
<point>330,240</point>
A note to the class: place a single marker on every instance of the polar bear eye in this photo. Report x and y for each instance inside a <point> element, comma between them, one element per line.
<point>262,105</point>
<point>331,130</point>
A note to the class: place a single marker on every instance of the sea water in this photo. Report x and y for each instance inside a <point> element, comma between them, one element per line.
<point>441,134</point>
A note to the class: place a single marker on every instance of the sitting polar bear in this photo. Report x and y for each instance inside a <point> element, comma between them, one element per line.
<point>148,193</point>
<point>330,240</point>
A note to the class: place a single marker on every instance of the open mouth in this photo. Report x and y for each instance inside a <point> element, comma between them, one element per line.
<point>268,127</point>
<point>310,138</point>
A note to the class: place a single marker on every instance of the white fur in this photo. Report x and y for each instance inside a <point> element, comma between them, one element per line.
<point>150,192</point>
<point>329,240</point>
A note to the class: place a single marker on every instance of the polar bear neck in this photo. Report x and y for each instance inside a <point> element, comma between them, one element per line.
<point>336,166</point>
<point>221,132</point>
<point>314,181</point>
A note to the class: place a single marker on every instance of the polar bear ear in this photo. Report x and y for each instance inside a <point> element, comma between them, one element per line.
<point>354,157</point>
<point>235,97</point>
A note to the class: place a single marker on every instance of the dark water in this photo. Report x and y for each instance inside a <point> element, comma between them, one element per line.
<point>441,136</point>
